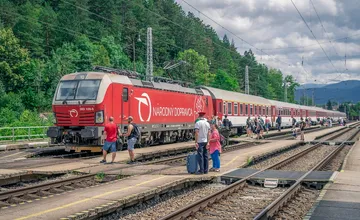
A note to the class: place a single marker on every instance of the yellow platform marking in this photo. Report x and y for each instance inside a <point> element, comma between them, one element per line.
<point>88,199</point>
<point>231,161</point>
<point>11,155</point>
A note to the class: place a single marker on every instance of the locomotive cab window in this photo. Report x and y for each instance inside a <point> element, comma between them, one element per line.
<point>78,90</point>
<point>125,94</point>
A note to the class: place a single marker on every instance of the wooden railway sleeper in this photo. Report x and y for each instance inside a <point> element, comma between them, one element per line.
<point>30,196</point>
<point>15,200</point>
<point>4,204</point>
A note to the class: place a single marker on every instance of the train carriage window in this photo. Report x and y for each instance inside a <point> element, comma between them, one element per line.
<point>230,108</point>
<point>251,109</point>
<point>246,109</point>
<point>241,108</point>
<point>224,108</point>
<point>125,94</point>
<point>255,109</point>
<point>267,110</point>
<point>220,107</point>
<point>236,109</point>
<point>263,110</point>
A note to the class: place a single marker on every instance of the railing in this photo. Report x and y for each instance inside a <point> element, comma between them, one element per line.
<point>22,133</point>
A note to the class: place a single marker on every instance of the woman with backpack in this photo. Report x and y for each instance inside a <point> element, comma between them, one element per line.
<point>215,148</point>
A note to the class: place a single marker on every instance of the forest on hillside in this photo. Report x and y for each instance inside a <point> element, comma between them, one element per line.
<point>40,41</point>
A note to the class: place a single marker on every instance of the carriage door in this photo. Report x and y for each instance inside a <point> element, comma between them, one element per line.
<point>125,107</point>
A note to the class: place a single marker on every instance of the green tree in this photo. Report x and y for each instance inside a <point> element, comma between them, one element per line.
<point>329,105</point>
<point>13,59</point>
<point>224,81</point>
<point>196,68</point>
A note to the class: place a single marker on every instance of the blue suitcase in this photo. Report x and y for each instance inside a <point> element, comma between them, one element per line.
<point>191,163</point>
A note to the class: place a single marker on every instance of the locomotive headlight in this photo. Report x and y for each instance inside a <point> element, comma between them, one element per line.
<point>99,117</point>
<point>54,119</point>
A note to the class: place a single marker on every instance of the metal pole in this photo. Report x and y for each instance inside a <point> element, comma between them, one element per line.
<point>149,63</point>
<point>134,54</point>
<point>285,92</point>
<point>247,89</point>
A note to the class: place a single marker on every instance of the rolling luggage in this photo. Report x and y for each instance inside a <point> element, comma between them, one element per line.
<point>191,163</point>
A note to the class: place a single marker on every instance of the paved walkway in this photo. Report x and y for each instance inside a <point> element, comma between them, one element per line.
<point>102,197</point>
<point>341,199</point>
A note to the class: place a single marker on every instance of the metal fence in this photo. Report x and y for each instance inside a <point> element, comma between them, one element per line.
<point>22,133</point>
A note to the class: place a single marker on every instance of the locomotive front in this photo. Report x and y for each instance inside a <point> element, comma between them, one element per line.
<point>78,107</point>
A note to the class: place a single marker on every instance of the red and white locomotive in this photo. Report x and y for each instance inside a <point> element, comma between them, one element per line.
<point>165,110</point>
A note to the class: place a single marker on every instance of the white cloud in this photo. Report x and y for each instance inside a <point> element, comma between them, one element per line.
<point>273,24</point>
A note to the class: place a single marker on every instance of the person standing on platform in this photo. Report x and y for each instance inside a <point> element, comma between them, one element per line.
<point>111,130</point>
<point>278,122</point>
<point>267,124</point>
<point>215,148</point>
<point>302,127</point>
<point>133,136</point>
<point>202,137</point>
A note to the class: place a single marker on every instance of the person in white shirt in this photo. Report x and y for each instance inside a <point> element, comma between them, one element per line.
<point>202,137</point>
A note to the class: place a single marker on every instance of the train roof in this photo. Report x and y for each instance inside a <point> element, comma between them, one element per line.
<point>236,96</point>
<point>123,79</point>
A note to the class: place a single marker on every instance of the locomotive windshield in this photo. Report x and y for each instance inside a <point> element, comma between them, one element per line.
<point>78,90</point>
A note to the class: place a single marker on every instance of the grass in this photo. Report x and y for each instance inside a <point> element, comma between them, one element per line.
<point>249,160</point>
<point>100,176</point>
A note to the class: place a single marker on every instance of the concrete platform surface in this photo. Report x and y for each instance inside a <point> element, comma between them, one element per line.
<point>341,199</point>
<point>80,200</point>
<point>7,173</point>
<point>63,205</point>
<point>237,158</point>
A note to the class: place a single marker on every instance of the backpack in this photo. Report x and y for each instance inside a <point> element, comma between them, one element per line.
<point>136,131</point>
<point>222,140</point>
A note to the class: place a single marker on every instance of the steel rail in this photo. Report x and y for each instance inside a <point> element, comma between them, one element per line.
<point>276,205</point>
<point>204,202</point>
<point>66,182</point>
<point>41,187</point>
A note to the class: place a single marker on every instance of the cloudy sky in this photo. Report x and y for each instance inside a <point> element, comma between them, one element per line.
<point>276,28</point>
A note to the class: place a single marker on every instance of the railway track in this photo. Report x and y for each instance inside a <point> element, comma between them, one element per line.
<point>204,208</point>
<point>22,195</point>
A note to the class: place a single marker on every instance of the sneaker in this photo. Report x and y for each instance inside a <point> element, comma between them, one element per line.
<point>199,173</point>
<point>103,161</point>
<point>131,162</point>
<point>217,170</point>
<point>212,169</point>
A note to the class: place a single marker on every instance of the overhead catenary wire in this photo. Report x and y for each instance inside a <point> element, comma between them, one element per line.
<point>243,40</point>
<point>312,33</point>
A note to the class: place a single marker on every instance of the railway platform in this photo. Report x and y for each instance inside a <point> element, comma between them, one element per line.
<point>89,201</point>
<point>56,166</point>
<point>341,199</point>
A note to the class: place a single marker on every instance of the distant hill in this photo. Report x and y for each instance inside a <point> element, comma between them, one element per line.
<point>340,92</point>
<point>310,85</point>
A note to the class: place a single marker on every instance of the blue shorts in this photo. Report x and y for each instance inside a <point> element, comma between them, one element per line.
<point>131,143</point>
<point>110,146</point>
